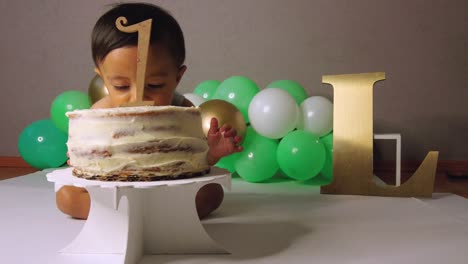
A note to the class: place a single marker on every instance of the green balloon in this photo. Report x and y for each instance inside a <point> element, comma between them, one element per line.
<point>327,170</point>
<point>207,89</point>
<point>64,102</point>
<point>301,155</point>
<point>257,162</point>
<point>292,87</point>
<point>318,180</point>
<point>228,162</point>
<point>239,91</point>
<point>42,145</point>
<point>327,140</point>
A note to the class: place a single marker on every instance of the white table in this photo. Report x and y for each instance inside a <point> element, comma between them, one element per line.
<point>281,222</point>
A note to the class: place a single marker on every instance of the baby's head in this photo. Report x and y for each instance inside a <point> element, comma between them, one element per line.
<point>115,54</point>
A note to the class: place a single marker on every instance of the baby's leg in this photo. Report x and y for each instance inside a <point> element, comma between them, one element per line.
<point>208,199</point>
<point>73,201</point>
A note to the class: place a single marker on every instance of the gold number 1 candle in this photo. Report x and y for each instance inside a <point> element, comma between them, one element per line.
<point>144,32</point>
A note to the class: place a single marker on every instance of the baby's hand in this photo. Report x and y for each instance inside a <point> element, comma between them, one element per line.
<point>222,141</point>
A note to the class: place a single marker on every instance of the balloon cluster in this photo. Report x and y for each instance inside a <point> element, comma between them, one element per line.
<point>42,144</point>
<point>284,130</point>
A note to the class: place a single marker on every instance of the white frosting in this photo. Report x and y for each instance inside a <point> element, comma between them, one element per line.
<point>106,141</point>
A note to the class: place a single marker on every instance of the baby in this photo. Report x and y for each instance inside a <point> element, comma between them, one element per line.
<point>115,57</point>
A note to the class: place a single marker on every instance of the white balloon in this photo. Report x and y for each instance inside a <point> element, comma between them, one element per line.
<point>273,113</point>
<point>316,116</point>
<point>195,99</point>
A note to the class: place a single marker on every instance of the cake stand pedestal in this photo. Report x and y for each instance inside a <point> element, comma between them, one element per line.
<point>138,218</point>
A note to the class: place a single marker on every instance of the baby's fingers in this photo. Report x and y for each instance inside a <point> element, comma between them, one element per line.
<point>213,126</point>
<point>237,139</point>
<point>225,128</point>
<point>230,133</point>
<point>238,149</point>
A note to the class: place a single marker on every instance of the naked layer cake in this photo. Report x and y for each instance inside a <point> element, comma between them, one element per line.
<point>144,143</point>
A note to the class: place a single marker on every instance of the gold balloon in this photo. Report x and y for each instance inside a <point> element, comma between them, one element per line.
<point>225,112</point>
<point>97,89</point>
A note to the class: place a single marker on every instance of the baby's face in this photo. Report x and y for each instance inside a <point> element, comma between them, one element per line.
<point>119,71</point>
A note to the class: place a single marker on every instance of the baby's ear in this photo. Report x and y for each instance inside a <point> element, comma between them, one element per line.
<point>181,72</point>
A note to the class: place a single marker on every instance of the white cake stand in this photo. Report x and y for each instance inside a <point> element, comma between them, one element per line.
<point>138,218</point>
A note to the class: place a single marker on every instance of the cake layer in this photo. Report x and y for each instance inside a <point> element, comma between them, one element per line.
<point>149,141</point>
<point>133,124</point>
<point>137,176</point>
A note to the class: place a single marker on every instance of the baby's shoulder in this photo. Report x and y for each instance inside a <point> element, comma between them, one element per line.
<point>177,99</point>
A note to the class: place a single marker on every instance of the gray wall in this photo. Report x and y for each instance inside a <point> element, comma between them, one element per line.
<point>421,45</point>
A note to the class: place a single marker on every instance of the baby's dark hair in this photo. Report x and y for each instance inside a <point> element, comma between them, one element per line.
<point>164,30</point>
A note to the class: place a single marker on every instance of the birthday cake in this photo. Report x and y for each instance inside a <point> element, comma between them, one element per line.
<point>144,143</point>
